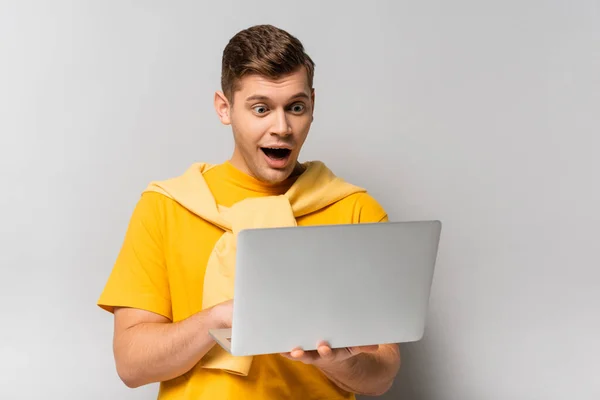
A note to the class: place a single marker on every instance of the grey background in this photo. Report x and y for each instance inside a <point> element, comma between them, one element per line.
<point>482,114</point>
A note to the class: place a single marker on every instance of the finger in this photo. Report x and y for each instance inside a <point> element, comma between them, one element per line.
<point>325,351</point>
<point>297,353</point>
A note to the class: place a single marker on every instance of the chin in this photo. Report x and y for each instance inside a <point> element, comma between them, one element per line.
<point>274,176</point>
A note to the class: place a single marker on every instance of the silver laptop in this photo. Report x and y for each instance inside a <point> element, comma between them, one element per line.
<point>350,285</point>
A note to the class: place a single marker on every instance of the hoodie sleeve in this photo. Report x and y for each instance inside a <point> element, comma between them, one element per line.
<point>139,276</point>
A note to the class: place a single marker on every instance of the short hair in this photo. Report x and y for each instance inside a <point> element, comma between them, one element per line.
<point>264,50</point>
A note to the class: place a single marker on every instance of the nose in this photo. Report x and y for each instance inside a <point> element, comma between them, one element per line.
<point>281,125</point>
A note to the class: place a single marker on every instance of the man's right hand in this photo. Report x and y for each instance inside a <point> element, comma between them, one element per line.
<point>223,313</point>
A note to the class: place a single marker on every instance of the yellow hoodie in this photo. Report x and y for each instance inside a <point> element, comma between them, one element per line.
<point>314,190</point>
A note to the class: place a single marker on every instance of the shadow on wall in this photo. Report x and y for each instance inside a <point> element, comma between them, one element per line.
<point>410,383</point>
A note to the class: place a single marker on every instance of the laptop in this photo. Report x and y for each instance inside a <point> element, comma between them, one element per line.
<point>348,284</point>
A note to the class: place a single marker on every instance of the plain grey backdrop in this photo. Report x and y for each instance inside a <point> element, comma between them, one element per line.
<point>484,114</point>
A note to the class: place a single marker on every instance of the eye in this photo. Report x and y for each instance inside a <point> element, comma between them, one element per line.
<point>298,107</point>
<point>260,109</point>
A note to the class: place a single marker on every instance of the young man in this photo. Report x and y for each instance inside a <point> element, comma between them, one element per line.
<point>172,279</point>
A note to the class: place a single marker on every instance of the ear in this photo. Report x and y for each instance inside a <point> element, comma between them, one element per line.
<point>222,108</point>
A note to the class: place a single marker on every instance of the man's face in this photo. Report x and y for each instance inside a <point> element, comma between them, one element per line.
<point>270,120</point>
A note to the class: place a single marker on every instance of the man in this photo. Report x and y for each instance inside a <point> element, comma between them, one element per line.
<point>159,284</point>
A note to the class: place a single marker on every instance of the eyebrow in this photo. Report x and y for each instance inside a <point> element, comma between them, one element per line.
<point>265,98</point>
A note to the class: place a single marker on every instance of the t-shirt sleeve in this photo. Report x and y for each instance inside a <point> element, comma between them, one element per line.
<point>139,276</point>
<point>369,210</point>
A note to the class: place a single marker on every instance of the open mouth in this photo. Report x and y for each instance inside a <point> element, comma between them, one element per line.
<point>276,153</point>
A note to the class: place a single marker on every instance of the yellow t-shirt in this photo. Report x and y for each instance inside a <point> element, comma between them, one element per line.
<point>161,266</point>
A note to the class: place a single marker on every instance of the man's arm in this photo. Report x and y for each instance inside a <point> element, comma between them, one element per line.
<point>150,348</point>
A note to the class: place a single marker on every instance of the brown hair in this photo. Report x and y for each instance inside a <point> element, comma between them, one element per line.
<point>264,50</point>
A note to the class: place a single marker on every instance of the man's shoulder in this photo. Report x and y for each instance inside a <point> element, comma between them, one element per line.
<point>366,208</point>
<point>358,207</point>
<point>156,206</point>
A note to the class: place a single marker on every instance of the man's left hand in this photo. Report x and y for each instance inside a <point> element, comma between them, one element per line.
<point>325,356</point>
